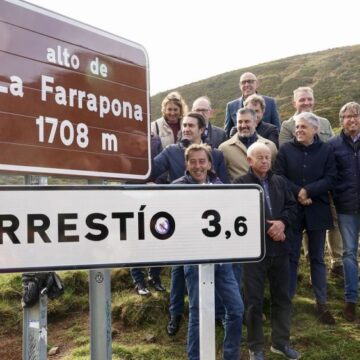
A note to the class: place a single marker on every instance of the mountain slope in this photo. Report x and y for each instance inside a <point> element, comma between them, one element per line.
<point>333,74</point>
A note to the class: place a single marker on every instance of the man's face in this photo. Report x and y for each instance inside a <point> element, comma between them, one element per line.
<point>198,165</point>
<point>260,162</point>
<point>351,123</point>
<point>190,130</point>
<point>259,111</point>
<point>304,101</point>
<point>202,106</point>
<point>246,125</point>
<point>248,84</point>
<point>304,132</point>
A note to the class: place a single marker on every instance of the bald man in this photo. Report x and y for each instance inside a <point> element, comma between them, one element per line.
<point>248,86</point>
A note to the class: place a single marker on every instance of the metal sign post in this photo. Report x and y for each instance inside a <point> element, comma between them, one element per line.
<point>35,318</point>
<point>35,331</point>
<point>100,314</point>
<point>207,311</point>
<point>100,310</point>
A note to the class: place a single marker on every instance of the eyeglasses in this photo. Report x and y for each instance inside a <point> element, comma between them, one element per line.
<point>201,110</point>
<point>354,116</point>
<point>249,81</point>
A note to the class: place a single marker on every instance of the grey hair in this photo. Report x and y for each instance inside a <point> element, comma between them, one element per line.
<point>255,99</point>
<point>351,106</point>
<point>205,98</point>
<point>245,111</point>
<point>256,146</point>
<point>309,117</point>
<point>302,89</point>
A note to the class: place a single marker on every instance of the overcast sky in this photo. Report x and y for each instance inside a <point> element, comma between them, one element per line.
<point>190,40</point>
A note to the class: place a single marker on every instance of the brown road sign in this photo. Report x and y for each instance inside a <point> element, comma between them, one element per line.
<point>74,100</point>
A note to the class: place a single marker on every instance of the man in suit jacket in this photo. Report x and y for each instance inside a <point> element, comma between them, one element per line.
<point>266,130</point>
<point>235,148</point>
<point>248,86</point>
<point>212,134</point>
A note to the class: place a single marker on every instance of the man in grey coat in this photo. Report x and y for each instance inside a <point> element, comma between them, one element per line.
<point>304,101</point>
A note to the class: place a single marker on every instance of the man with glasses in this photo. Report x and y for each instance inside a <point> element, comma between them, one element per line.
<point>304,101</point>
<point>212,134</point>
<point>248,86</point>
<point>346,194</point>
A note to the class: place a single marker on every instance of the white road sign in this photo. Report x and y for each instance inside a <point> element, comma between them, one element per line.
<point>54,228</point>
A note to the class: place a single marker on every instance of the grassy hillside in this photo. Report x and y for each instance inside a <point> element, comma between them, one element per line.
<point>138,323</point>
<point>333,74</point>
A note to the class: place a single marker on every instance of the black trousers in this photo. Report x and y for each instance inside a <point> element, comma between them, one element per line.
<point>276,269</point>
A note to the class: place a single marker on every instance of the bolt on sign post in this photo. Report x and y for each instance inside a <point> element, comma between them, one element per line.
<point>74,99</point>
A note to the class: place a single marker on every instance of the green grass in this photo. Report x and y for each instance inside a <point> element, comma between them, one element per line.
<point>138,323</point>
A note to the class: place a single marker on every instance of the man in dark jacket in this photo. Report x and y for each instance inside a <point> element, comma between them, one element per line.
<point>346,148</point>
<point>248,86</point>
<point>280,212</point>
<point>308,165</point>
<point>264,129</point>
<point>172,160</point>
<point>212,135</point>
<point>199,171</point>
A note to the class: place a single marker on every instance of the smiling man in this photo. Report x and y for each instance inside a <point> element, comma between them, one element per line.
<point>172,160</point>
<point>248,86</point>
<point>198,161</point>
<point>304,101</point>
<point>235,148</point>
<point>346,148</point>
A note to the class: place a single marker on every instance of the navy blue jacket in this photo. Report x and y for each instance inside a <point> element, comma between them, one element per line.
<point>271,114</point>
<point>283,206</point>
<point>187,179</point>
<point>172,160</point>
<point>312,168</point>
<point>347,189</point>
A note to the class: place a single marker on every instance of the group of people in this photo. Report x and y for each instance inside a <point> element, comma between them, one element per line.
<point>311,183</point>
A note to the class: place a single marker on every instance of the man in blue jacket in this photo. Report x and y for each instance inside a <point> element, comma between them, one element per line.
<point>172,160</point>
<point>199,171</point>
<point>346,148</point>
<point>248,86</point>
